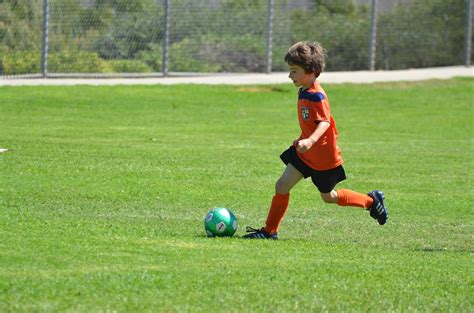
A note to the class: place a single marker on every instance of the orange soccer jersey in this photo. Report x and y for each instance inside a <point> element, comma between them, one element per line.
<point>313,108</point>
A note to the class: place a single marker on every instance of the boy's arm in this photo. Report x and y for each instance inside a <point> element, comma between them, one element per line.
<point>306,144</point>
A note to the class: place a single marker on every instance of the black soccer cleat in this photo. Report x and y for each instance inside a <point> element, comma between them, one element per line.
<point>378,210</point>
<point>254,233</point>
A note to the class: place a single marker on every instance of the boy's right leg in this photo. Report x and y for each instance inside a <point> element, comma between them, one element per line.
<point>378,210</point>
<point>290,177</point>
<point>373,201</point>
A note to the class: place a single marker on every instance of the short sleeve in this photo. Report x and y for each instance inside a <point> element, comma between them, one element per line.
<point>319,105</point>
<point>322,111</point>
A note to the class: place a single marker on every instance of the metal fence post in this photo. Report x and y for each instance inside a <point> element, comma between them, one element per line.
<point>270,36</point>
<point>44,43</point>
<point>467,52</point>
<point>166,38</point>
<point>373,36</point>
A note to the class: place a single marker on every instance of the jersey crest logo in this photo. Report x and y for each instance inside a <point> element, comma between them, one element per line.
<point>305,113</point>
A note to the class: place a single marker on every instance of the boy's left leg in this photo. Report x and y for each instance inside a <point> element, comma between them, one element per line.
<point>279,205</point>
<point>290,177</point>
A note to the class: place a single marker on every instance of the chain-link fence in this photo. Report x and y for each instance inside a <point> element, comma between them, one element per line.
<point>100,38</point>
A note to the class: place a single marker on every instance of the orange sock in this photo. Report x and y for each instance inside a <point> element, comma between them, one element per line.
<point>346,197</point>
<point>277,212</point>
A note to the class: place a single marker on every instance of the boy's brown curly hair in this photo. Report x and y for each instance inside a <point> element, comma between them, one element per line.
<point>311,56</point>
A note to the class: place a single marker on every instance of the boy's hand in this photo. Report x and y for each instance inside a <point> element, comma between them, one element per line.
<point>304,145</point>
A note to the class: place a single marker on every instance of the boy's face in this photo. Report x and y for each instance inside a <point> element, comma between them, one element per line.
<point>300,78</point>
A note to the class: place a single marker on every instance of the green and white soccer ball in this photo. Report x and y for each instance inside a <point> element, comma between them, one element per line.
<point>220,222</point>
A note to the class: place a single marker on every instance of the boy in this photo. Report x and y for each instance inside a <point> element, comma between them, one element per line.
<point>315,153</point>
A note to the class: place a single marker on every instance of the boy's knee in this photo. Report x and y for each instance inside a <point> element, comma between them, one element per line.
<point>282,187</point>
<point>330,197</point>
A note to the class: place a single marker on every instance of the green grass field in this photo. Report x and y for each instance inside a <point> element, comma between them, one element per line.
<point>104,192</point>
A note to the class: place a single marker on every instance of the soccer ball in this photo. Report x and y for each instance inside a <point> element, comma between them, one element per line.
<point>220,222</point>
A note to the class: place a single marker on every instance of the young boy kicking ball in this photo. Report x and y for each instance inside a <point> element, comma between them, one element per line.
<point>315,152</point>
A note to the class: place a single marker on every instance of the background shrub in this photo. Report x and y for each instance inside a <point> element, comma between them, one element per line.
<point>68,61</point>
<point>129,66</point>
<point>20,62</point>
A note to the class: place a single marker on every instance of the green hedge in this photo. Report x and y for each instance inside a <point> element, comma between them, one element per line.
<point>20,62</point>
<point>77,62</point>
<point>129,66</point>
<point>29,62</point>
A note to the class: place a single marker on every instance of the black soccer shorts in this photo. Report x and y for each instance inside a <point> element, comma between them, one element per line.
<point>325,180</point>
